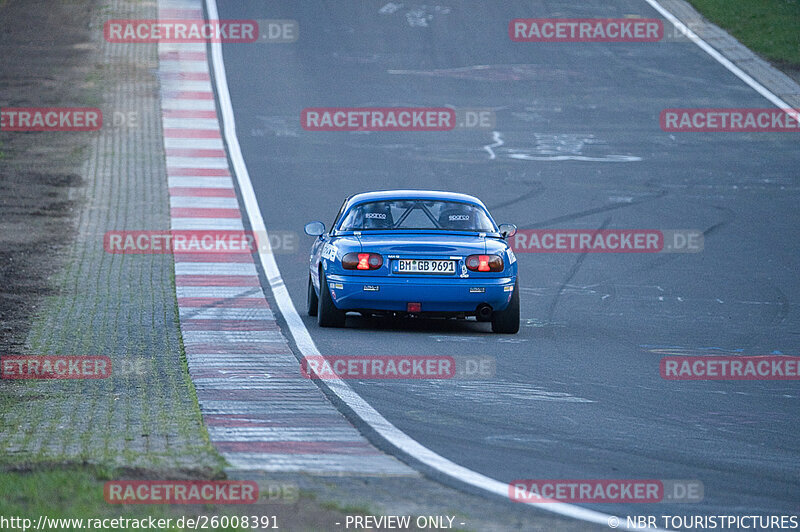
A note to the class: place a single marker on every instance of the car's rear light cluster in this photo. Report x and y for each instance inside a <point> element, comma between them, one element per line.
<point>362,261</point>
<point>485,263</point>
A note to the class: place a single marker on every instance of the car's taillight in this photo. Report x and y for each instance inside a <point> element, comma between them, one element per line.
<point>362,261</point>
<point>485,263</point>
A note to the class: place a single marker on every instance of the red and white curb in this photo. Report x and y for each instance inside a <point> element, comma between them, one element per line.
<point>261,413</point>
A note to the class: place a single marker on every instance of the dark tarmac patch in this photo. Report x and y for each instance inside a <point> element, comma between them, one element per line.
<point>44,65</point>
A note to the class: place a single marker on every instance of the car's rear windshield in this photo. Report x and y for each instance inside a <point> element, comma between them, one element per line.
<point>417,214</point>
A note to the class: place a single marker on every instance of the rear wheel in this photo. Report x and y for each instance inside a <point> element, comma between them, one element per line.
<point>327,313</point>
<point>312,299</point>
<point>507,321</point>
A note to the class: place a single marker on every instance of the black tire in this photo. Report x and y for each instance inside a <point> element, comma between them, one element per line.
<point>507,321</point>
<point>312,299</point>
<point>327,313</point>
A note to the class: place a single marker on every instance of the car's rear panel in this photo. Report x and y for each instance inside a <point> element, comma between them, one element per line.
<point>389,288</point>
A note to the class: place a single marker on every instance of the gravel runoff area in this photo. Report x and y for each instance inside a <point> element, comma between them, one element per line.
<point>62,293</point>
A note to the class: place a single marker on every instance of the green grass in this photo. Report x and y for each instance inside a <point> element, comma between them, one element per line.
<point>354,509</point>
<point>770,28</point>
<point>77,493</point>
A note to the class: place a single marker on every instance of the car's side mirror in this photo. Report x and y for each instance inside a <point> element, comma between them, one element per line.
<point>314,228</point>
<point>508,230</point>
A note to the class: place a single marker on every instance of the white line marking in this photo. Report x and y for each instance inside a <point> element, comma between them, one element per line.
<point>724,61</point>
<point>498,141</point>
<point>305,343</point>
<point>604,159</point>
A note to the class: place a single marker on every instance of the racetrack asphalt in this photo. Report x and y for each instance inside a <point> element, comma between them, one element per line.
<point>576,145</point>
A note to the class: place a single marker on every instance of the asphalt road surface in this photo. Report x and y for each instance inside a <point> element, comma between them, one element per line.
<point>576,143</point>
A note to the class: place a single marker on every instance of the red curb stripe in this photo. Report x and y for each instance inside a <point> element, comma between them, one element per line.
<point>216,280</point>
<point>229,325</point>
<point>238,257</point>
<point>182,56</point>
<point>187,76</point>
<point>297,447</point>
<point>223,302</point>
<point>181,133</point>
<point>194,152</point>
<point>203,192</point>
<point>179,171</point>
<point>189,95</point>
<point>196,212</point>
<point>189,113</point>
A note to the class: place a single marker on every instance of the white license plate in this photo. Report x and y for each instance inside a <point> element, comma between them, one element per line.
<point>442,267</point>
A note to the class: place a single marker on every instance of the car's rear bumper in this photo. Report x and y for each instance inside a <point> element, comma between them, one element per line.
<point>453,295</point>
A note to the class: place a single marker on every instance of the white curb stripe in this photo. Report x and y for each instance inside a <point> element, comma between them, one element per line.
<point>188,143</point>
<point>198,313</point>
<point>190,123</point>
<point>219,291</point>
<point>223,224</point>
<point>180,104</point>
<point>203,202</point>
<point>215,268</point>
<point>195,162</point>
<point>173,65</point>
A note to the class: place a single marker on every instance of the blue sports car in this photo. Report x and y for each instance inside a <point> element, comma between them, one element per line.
<point>413,253</point>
